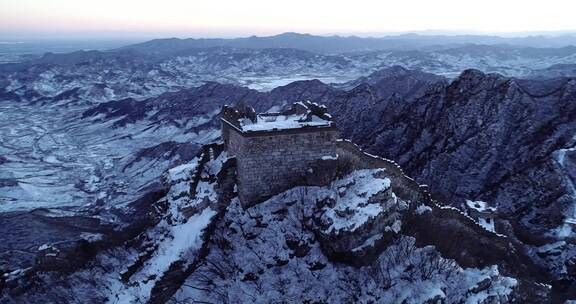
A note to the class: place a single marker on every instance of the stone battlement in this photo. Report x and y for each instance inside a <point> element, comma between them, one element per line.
<point>277,151</point>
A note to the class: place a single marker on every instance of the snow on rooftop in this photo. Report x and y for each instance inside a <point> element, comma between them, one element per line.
<point>267,122</point>
<point>303,114</point>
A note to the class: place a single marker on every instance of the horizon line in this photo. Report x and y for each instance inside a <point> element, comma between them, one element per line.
<point>137,35</point>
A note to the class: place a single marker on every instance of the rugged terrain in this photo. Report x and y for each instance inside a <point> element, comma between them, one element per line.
<point>356,240</point>
<point>154,67</point>
<point>102,161</point>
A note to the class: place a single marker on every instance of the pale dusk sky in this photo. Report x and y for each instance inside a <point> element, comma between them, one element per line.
<point>219,18</point>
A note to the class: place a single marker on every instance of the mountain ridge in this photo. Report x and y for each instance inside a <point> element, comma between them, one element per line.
<point>339,44</point>
<point>453,135</point>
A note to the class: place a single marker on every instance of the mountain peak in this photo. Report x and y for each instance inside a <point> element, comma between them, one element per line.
<point>293,34</point>
<point>471,73</point>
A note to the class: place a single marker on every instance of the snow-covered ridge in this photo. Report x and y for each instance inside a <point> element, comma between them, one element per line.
<point>367,160</point>
<point>192,203</point>
<point>142,172</point>
<point>202,246</point>
<point>98,77</point>
<point>273,254</point>
<point>353,201</point>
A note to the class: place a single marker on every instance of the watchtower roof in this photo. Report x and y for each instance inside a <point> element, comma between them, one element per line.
<point>303,115</point>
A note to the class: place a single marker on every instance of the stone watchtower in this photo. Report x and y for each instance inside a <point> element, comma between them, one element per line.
<point>277,151</point>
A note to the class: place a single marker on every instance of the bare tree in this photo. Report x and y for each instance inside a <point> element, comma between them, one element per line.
<point>350,285</point>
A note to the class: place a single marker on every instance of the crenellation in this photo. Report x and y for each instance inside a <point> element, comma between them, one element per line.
<point>271,160</point>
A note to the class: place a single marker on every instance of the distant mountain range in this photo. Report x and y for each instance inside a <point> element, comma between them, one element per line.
<point>86,139</point>
<point>147,69</point>
<point>22,51</point>
<point>341,44</point>
<point>479,136</point>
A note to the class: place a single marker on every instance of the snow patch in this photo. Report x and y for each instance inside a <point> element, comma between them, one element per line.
<point>421,209</point>
<point>352,209</point>
<point>281,122</point>
<point>182,240</point>
<point>479,206</point>
<point>330,157</point>
<point>488,224</point>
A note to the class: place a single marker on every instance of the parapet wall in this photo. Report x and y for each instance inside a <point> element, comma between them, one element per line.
<point>272,163</point>
<point>232,139</point>
<point>351,153</point>
<point>348,151</point>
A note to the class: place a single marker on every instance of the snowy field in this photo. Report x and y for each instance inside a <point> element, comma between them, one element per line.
<point>266,84</point>
<point>50,158</point>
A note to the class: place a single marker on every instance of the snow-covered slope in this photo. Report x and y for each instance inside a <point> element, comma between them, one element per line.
<point>269,254</point>
<point>200,245</point>
<point>85,138</point>
<point>94,76</point>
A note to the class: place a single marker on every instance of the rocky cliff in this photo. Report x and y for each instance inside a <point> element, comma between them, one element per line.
<point>365,238</point>
<point>481,137</point>
<point>485,137</point>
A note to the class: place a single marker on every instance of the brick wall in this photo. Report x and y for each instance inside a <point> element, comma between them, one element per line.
<point>274,162</point>
<point>406,187</point>
<point>232,139</point>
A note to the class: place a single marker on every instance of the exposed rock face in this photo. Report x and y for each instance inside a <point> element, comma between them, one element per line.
<point>367,234</point>
<point>396,80</point>
<point>362,216</point>
<point>299,245</point>
<point>554,71</point>
<point>480,137</point>
<point>146,261</point>
<point>21,251</point>
<point>483,137</point>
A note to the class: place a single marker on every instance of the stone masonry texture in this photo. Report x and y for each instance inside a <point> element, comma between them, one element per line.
<point>274,162</point>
